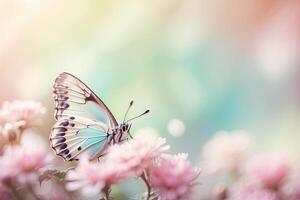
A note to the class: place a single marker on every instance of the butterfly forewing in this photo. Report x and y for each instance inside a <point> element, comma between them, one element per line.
<point>84,122</point>
<point>73,97</point>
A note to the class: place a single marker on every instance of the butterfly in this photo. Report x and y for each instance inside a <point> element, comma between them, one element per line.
<point>84,124</point>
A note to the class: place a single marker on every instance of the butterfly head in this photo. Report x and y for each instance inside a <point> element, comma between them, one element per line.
<point>124,131</point>
<point>125,127</point>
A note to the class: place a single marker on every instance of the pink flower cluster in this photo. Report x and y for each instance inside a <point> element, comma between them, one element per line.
<point>93,177</point>
<point>269,171</point>
<point>258,177</point>
<point>22,158</point>
<point>264,178</point>
<point>138,154</point>
<point>170,176</point>
<point>174,176</point>
<point>17,116</point>
<point>248,191</point>
<point>23,162</point>
<point>29,112</point>
<point>226,151</point>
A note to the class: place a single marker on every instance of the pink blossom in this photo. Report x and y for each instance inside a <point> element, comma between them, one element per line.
<point>92,177</point>
<point>28,112</point>
<point>11,132</point>
<point>173,176</point>
<point>5,193</point>
<point>255,195</point>
<point>52,190</point>
<point>137,154</point>
<point>269,172</point>
<point>249,191</point>
<point>220,192</point>
<point>291,188</point>
<point>226,151</point>
<point>22,162</point>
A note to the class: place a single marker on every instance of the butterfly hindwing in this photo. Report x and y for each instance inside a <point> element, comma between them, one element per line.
<point>74,136</point>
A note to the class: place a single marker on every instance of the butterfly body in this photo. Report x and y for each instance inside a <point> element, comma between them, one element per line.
<point>120,133</point>
<point>84,123</point>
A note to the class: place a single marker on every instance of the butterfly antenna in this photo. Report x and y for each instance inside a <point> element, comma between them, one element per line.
<point>138,115</point>
<point>130,104</point>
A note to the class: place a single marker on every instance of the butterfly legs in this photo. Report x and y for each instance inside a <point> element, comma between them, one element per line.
<point>129,132</point>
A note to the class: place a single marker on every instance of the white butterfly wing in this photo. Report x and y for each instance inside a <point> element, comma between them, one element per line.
<point>74,136</point>
<point>73,97</point>
<point>83,121</point>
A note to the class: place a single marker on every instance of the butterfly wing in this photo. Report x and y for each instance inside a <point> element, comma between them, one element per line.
<point>83,120</point>
<point>74,136</point>
<point>74,98</point>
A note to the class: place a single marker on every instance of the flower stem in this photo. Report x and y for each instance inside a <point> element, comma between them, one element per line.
<point>106,190</point>
<point>31,190</point>
<point>144,178</point>
<point>12,188</point>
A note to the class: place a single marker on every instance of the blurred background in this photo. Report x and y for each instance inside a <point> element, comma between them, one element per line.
<point>200,66</point>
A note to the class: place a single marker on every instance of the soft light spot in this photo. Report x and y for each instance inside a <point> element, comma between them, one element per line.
<point>176,127</point>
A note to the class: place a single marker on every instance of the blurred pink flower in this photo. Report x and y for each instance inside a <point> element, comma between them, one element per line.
<point>292,186</point>
<point>269,172</point>
<point>92,177</point>
<point>28,112</point>
<point>137,154</point>
<point>250,191</point>
<point>226,151</point>
<point>52,190</point>
<point>23,162</point>
<point>220,192</point>
<point>5,193</point>
<point>10,132</point>
<point>173,176</point>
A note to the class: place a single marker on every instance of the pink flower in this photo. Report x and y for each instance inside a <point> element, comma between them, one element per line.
<point>11,132</point>
<point>28,112</point>
<point>52,190</point>
<point>92,177</point>
<point>269,172</point>
<point>220,192</point>
<point>5,193</point>
<point>173,176</point>
<point>250,191</point>
<point>226,151</point>
<point>137,154</point>
<point>22,162</point>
